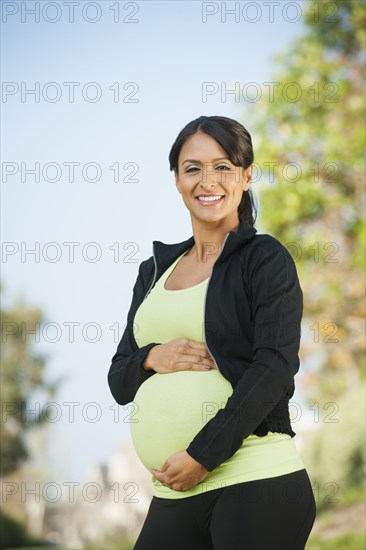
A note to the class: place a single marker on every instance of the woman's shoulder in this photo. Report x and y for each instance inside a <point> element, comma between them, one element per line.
<point>146,266</point>
<point>264,247</point>
<point>267,242</point>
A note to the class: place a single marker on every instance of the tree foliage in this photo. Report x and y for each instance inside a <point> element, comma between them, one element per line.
<point>309,141</point>
<point>22,373</point>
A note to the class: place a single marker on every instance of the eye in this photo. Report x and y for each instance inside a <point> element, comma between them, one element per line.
<point>223,167</point>
<point>192,169</point>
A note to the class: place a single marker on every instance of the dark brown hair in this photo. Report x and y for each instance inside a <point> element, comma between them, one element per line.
<point>237,144</point>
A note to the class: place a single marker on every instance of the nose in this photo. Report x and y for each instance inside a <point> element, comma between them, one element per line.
<point>210,177</point>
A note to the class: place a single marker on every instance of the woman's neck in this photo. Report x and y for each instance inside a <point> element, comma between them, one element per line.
<point>209,240</point>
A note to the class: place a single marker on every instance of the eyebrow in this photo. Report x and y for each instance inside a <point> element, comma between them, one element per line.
<point>199,162</point>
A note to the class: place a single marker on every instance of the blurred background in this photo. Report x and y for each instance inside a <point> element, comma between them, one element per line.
<point>93,96</point>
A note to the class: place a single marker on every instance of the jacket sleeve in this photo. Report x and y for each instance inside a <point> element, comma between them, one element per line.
<point>277,305</point>
<point>126,374</point>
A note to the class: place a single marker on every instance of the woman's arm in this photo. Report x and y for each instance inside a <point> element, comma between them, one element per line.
<point>126,373</point>
<point>277,305</point>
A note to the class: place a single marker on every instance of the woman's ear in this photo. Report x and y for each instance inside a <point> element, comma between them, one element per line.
<point>248,174</point>
<point>177,180</point>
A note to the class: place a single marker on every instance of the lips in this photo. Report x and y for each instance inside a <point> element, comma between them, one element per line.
<point>207,200</point>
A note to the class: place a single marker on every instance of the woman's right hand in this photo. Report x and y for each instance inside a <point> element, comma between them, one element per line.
<point>179,354</point>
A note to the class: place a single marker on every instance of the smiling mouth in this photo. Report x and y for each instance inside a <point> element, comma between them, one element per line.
<point>210,200</point>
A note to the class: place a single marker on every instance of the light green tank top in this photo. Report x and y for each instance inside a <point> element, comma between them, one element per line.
<point>170,409</point>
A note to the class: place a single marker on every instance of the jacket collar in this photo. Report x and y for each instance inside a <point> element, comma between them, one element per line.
<point>165,254</point>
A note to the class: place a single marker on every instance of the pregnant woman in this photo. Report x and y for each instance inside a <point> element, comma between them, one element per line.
<point>208,358</point>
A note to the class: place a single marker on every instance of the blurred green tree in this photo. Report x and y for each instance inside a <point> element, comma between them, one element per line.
<point>309,140</point>
<point>22,373</point>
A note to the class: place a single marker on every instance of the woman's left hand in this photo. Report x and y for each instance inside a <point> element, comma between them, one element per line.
<point>180,472</point>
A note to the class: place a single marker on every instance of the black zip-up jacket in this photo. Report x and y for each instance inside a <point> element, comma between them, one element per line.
<point>253,312</point>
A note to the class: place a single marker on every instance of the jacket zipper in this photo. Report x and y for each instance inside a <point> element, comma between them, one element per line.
<point>155,272</point>
<point>204,309</point>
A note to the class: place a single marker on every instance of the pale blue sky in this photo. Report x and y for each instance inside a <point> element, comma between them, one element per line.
<point>169,54</point>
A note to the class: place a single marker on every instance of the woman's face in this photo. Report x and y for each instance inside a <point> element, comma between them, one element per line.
<point>210,185</point>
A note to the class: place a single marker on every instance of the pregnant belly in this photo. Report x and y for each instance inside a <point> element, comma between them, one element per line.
<point>170,409</point>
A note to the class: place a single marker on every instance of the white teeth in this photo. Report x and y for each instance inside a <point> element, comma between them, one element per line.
<point>210,199</point>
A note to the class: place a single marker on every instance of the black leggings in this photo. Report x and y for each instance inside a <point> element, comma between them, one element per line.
<point>275,513</point>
